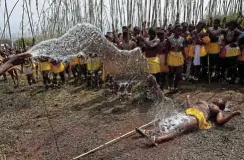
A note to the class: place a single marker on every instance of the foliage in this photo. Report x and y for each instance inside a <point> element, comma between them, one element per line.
<point>26,41</point>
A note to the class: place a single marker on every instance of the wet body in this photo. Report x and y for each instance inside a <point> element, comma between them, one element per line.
<point>198,116</point>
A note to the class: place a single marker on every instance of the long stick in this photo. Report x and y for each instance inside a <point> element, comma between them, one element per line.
<point>111,142</point>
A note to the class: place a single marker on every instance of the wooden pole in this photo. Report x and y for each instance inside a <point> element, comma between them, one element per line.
<point>112,141</point>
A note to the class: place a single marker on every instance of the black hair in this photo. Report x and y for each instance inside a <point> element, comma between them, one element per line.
<point>184,24</point>
<point>232,22</point>
<point>177,26</point>
<point>124,27</point>
<point>221,103</point>
<point>217,20</point>
<point>152,31</point>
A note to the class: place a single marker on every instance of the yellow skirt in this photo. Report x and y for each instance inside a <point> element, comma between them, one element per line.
<point>227,51</point>
<point>93,65</point>
<point>57,68</point>
<point>241,57</point>
<point>202,122</point>
<point>154,65</point>
<point>206,39</point>
<point>213,48</point>
<point>190,50</point>
<point>203,51</point>
<point>163,66</point>
<point>175,59</point>
<point>44,66</point>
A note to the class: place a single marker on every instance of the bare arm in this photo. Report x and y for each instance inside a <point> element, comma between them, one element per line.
<point>12,61</point>
<point>152,44</point>
<point>188,102</point>
<point>222,118</point>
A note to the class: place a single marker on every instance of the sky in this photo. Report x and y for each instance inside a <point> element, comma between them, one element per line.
<point>16,17</point>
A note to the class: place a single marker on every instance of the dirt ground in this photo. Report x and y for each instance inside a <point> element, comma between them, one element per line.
<point>64,123</point>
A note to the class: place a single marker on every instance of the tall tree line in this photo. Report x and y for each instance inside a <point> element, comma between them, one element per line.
<point>56,16</point>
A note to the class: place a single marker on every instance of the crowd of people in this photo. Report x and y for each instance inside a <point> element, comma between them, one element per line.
<point>212,51</point>
<point>86,70</point>
<point>206,51</point>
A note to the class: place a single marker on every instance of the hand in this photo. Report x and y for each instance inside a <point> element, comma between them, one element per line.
<point>237,113</point>
<point>139,37</point>
<point>187,96</point>
<point>17,59</point>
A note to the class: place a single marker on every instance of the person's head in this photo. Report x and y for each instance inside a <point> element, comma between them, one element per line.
<point>221,103</point>
<point>170,28</point>
<point>184,26</point>
<point>152,33</point>
<point>136,31</point>
<point>200,26</point>
<point>178,30</point>
<point>216,23</point>
<point>27,60</point>
<point>90,55</point>
<point>53,61</point>
<point>161,34</point>
<point>119,35</point>
<point>191,28</point>
<point>125,31</point>
<point>232,25</point>
<point>109,36</point>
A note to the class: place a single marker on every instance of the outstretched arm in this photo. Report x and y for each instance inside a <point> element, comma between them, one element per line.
<point>12,61</point>
<point>222,118</point>
<point>188,101</point>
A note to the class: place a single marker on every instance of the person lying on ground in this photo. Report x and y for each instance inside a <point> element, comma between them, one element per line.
<point>13,60</point>
<point>198,116</point>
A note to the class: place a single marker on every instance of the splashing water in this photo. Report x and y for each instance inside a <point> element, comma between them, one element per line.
<point>121,64</point>
<point>87,38</point>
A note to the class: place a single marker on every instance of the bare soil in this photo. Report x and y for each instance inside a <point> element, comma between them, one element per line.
<point>66,122</point>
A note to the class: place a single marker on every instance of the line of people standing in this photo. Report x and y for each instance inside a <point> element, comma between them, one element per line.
<point>202,52</point>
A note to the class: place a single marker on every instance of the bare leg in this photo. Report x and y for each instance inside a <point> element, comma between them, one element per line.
<point>186,126</point>
<point>181,128</point>
<point>16,76</point>
<point>12,76</point>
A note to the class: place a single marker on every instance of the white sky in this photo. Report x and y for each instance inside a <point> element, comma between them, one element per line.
<point>16,16</point>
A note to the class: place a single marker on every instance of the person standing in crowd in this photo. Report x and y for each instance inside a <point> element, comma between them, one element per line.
<point>74,66</point>
<point>151,47</point>
<point>28,68</point>
<point>230,51</point>
<point>94,68</point>
<point>213,48</point>
<point>57,68</point>
<point>175,59</point>
<point>241,59</point>
<point>161,54</point>
<point>45,67</point>
<point>126,43</point>
<point>200,39</point>
<point>83,68</point>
